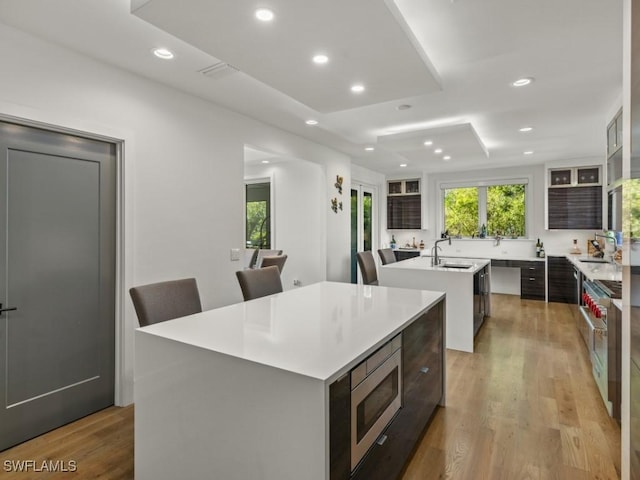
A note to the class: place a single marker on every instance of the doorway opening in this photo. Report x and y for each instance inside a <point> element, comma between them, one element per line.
<point>363,224</point>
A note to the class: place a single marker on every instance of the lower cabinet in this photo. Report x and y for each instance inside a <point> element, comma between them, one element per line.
<point>562,283</point>
<point>405,254</point>
<point>422,390</point>
<point>532,277</point>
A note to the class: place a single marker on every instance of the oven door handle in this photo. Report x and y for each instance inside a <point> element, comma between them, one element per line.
<point>601,327</point>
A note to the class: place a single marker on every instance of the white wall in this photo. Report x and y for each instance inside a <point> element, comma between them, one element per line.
<point>183,169</point>
<point>298,210</point>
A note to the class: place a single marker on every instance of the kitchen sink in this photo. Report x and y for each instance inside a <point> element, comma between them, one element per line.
<point>461,266</point>
<point>593,260</point>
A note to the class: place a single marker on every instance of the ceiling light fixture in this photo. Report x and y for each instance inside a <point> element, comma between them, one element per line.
<point>521,82</point>
<point>357,88</point>
<point>528,152</point>
<point>320,59</point>
<point>163,53</point>
<point>311,122</point>
<point>526,129</point>
<point>428,143</point>
<point>264,14</point>
<point>446,158</point>
<point>403,165</point>
<point>265,161</point>
<point>437,150</point>
<point>369,149</point>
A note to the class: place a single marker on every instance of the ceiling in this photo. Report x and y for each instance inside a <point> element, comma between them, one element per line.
<point>436,71</point>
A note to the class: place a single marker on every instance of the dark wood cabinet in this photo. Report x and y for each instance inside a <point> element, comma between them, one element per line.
<point>532,276</point>
<point>340,428</point>
<point>404,212</point>
<point>532,280</point>
<point>578,208</point>
<point>561,282</point>
<point>423,364</point>
<point>405,254</point>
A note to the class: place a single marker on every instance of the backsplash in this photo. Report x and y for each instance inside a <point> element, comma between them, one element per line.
<point>555,243</point>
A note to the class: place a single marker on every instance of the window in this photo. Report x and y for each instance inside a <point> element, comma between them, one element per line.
<point>258,215</point>
<point>501,207</point>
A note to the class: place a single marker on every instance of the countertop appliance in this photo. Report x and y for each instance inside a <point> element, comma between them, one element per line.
<point>596,303</point>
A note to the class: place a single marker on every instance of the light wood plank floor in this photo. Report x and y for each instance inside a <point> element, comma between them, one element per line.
<point>524,406</point>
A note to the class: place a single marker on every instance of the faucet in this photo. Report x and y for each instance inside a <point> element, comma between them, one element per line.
<point>434,251</point>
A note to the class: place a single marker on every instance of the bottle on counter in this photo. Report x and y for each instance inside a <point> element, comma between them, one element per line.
<point>483,231</point>
<point>393,241</point>
<point>538,247</point>
<point>413,243</point>
<point>421,245</point>
<point>575,250</point>
<point>542,254</point>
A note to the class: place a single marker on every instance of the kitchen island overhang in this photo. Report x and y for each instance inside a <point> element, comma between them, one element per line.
<point>243,391</point>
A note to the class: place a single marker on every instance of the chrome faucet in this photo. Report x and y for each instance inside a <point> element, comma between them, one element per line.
<point>435,261</point>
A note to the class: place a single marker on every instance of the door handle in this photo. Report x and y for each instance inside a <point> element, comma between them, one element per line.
<point>9,309</point>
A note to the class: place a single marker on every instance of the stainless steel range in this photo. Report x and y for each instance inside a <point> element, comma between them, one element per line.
<point>596,303</point>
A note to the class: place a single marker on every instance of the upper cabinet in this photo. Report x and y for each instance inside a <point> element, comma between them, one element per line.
<point>404,204</point>
<point>614,134</point>
<point>574,198</point>
<point>403,187</point>
<point>614,151</point>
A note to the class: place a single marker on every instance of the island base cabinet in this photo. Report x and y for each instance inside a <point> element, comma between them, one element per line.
<point>423,377</point>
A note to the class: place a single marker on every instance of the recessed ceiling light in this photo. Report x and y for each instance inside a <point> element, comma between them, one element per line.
<point>404,106</point>
<point>428,143</point>
<point>369,149</point>
<point>311,122</point>
<point>528,152</point>
<point>357,88</point>
<point>265,161</point>
<point>320,59</point>
<point>163,53</point>
<point>446,157</point>
<point>526,129</point>
<point>437,150</point>
<point>264,14</point>
<point>521,82</point>
<point>403,165</point>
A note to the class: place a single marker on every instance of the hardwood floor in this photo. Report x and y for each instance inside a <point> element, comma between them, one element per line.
<point>99,446</point>
<point>523,406</point>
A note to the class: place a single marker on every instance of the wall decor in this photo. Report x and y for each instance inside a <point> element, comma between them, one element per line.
<point>334,205</point>
<point>338,183</point>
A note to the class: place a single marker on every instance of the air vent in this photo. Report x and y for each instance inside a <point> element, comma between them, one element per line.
<point>219,70</point>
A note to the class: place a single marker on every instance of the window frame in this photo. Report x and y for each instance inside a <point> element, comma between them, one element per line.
<point>482,198</point>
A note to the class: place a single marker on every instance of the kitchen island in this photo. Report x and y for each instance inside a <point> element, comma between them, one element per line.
<point>256,390</point>
<point>466,282</point>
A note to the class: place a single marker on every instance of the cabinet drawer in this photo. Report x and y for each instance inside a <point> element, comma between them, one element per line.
<point>532,287</point>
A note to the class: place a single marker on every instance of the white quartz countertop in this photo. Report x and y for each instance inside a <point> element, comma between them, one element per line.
<point>596,271</point>
<point>424,263</point>
<point>497,256</point>
<point>320,331</point>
